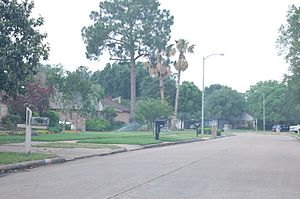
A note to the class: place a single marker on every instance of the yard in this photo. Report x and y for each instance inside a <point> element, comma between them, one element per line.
<point>137,138</point>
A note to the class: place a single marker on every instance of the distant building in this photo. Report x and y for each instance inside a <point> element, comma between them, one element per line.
<point>78,121</point>
<point>123,112</point>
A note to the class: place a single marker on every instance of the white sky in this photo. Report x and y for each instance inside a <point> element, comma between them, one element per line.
<point>244,30</point>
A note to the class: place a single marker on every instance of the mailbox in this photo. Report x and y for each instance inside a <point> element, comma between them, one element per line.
<point>158,125</point>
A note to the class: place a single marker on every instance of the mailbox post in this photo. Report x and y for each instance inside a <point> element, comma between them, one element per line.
<point>197,125</point>
<point>158,125</point>
<point>28,131</point>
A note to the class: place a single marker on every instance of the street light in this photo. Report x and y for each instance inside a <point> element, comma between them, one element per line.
<point>264,112</point>
<point>202,115</point>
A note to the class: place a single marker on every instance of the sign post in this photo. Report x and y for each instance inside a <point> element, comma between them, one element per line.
<point>28,131</point>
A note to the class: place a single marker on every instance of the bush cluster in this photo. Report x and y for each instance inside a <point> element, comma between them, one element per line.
<point>97,124</point>
<point>100,124</point>
<point>53,118</point>
<point>10,121</point>
<point>208,131</point>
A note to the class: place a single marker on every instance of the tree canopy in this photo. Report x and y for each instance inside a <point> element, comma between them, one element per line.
<point>115,79</point>
<point>36,97</point>
<point>149,109</point>
<point>128,30</point>
<point>21,44</point>
<point>150,89</point>
<point>225,104</point>
<point>289,39</point>
<point>288,44</point>
<point>189,99</point>
<point>278,103</point>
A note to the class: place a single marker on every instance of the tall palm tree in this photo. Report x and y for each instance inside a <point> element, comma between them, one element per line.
<point>159,65</point>
<point>182,47</point>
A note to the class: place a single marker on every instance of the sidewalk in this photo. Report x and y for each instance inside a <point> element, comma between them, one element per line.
<point>70,154</point>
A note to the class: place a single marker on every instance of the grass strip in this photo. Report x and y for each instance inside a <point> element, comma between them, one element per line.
<point>77,145</point>
<point>5,139</point>
<point>123,140</point>
<point>13,157</point>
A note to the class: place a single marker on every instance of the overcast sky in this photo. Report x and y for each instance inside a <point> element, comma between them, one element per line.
<point>244,30</point>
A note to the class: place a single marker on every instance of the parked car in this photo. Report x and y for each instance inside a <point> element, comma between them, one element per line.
<point>295,128</point>
<point>280,128</point>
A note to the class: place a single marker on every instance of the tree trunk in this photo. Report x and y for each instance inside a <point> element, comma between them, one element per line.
<point>65,121</point>
<point>174,119</point>
<point>161,88</point>
<point>132,84</point>
<point>77,114</point>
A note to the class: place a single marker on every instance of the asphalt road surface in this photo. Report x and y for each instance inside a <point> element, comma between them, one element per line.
<point>245,166</point>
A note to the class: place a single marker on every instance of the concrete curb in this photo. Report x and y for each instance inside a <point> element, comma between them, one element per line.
<point>30,164</point>
<point>121,150</point>
<point>37,163</point>
<point>175,143</point>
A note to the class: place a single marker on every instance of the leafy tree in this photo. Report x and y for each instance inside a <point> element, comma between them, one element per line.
<point>189,100</point>
<point>182,47</point>
<point>159,65</point>
<point>129,30</point>
<point>289,39</point>
<point>278,104</point>
<point>97,92</point>
<point>148,110</point>
<point>36,97</point>
<point>56,79</point>
<point>78,92</point>
<point>225,104</point>
<point>150,89</point>
<point>288,44</point>
<point>21,44</point>
<point>214,87</point>
<point>293,94</point>
<point>115,80</point>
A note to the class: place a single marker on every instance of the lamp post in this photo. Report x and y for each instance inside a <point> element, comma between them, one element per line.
<point>202,110</point>
<point>264,112</point>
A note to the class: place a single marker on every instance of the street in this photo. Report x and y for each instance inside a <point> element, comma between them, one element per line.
<point>244,166</point>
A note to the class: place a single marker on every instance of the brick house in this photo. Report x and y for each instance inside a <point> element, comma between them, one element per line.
<point>123,113</point>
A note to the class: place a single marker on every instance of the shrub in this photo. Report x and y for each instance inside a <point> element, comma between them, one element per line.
<point>68,127</point>
<point>41,131</point>
<point>10,121</point>
<point>116,125</point>
<point>97,124</point>
<point>53,117</point>
<point>56,129</point>
<point>206,130</point>
<point>218,132</point>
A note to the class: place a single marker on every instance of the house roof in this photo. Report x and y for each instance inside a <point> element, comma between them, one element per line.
<point>107,102</point>
<point>246,116</point>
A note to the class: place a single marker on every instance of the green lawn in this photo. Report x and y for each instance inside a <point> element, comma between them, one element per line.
<point>181,136</point>
<point>11,139</point>
<point>12,157</point>
<point>137,138</point>
<point>76,145</point>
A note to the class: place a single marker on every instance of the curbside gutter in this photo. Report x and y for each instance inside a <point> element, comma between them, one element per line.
<point>30,164</point>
